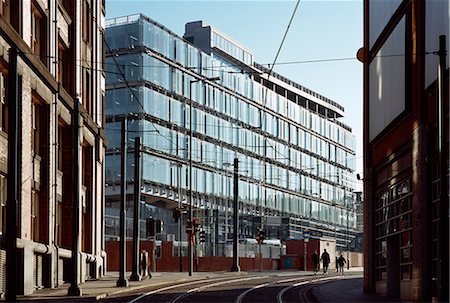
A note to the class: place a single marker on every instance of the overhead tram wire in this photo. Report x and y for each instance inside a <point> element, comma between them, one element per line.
<point>133,93</point>
<point>219,67</point>
<point>270,72</point>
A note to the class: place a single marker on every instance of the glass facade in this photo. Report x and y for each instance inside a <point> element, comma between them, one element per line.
<point>294,162</point>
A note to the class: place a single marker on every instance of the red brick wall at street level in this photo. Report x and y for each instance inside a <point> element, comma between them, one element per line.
<point>169,263</point>
<point>210,264</point>
<point>296,248</point>
<point>113,253</point>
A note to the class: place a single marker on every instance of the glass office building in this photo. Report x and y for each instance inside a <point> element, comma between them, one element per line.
<point>296,159</point>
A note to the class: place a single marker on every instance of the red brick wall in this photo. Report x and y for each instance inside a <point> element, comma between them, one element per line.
<point>296,248</point>
<point>112,249</point>
<point>169,263</point>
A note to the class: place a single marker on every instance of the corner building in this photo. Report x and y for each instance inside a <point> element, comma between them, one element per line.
<point>296,160</point>
<point>60,46</point>
<point>405,174</point>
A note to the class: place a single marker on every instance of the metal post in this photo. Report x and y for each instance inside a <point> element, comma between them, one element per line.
<point>180,218</point>
<point>305,248</point>
<point>13,177</point>
<point>74,289</point>
<point>227,204</point>
<point>216,232</point>
<point>347,233</point>
<point>122,281</point>
<point>235,217</point>
<point>135,275</point>
<point>260,256</point>
<point>190,248</point>
<point>443,170</point>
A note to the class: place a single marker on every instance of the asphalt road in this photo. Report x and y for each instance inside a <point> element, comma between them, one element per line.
<point>254,287</point>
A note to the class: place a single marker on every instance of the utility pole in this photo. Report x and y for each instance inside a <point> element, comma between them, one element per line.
<point>180,233</point>
<point>122,281</point>
<point>443,170</point>
<point>13,177</point>
<point>236,217</point>
<point>135,275</point>
<point>74,289</point>
<point>190,248</point>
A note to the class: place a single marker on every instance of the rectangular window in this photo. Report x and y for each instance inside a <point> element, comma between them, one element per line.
<point>38,32</point>
<point>64,69</point>
<point>86,30</point>
<point>3,104</point>
<point>34,216</point>
<point>3,196</point>
<point>4,9</point>
<point>87,80</point>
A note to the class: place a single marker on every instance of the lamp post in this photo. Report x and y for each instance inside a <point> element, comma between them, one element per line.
<point>190,250</point>
<point>122,281</point>
<point>235,266</point>
<point>227,201</point>
<point>136,276</point>
<point>346,206</point>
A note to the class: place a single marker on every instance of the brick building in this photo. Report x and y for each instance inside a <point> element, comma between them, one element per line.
<point>406,154</point>
<point>59,64</point>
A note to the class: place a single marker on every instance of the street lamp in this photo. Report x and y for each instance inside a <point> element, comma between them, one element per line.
<point>190,250</point>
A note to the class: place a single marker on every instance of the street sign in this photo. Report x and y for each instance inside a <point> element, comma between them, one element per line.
<point>306,234</point>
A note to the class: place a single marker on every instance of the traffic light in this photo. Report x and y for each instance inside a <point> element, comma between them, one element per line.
<point>196,223</point>
<point>150,227</point>
<point>202,236</point>
<point>260,236</point>
<point>159,226</point>
<point>154,227</point>
<point>176,214</point>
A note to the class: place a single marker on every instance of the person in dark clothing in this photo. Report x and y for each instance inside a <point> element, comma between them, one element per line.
<point>337,266</point>
<point>341,262</point>
<point>325,258</point>
<point>315,259</point>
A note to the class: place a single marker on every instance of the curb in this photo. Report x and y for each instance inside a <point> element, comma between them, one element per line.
<point>137,287</point>
<point>118,291</point>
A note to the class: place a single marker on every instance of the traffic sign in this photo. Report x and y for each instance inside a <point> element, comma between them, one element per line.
<point>306,234</point>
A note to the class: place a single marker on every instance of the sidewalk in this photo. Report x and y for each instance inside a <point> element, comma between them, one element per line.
<point>106,286</point>
<point>348,289</point>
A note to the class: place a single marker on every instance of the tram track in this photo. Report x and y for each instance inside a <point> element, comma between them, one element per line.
<point>252,287</point>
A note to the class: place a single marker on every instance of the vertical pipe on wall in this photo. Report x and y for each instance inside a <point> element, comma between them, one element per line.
<point>74,289</point>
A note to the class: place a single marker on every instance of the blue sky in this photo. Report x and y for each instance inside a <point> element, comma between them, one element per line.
<point>321,30</point>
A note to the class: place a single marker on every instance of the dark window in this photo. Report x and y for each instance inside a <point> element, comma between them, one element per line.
<point>5,9</point>
<point>3,196</point>
<point>87,22</point>
<point>39,33</point>
<point>3,103</point>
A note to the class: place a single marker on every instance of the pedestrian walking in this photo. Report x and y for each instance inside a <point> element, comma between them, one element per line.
<point>341,262</point>
<point>325,258</point>
<point>315,259</point>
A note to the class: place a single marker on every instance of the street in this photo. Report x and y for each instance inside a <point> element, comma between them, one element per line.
<point>255,287</point>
